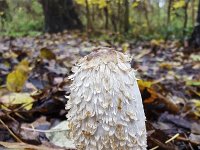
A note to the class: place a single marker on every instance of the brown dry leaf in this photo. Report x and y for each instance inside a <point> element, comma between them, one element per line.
<point>145,87</point>
<point>166,66</point>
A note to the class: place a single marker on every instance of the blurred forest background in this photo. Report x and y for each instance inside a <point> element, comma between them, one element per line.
<point>41,40</point>
<point>141,19</point>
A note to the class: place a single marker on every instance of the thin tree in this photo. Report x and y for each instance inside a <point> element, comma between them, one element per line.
<point>185,17</point>
<point>194,41</point>
<point>193,11</point>
<point>88,15</point>
<point>168,18</point>
<point>106,17</point>
<point>126,16</point>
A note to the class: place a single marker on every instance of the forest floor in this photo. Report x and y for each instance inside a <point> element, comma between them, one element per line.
<point>34,87</point>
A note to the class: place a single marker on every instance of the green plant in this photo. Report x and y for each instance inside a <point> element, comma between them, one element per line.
<point>26,18</point>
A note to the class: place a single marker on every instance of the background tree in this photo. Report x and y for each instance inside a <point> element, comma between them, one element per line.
<point>60,15</point>
<point>173,19</point>
<point>3,12</point>
<point>126,16</point>
<point>194,41</point>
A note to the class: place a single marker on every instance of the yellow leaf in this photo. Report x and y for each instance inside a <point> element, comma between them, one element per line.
<point>135,4</point>
<point>179,4</point>
<point>16,80</point>
<point>80,2</point>
<point>47,54</point>
<point>197,107</point>
<point>102,3</point>
<point>23,66</point>
<point>144,84</point>
<point>125,47</point>
<point>18,98</point>
<point>196,103</point>
<point>157,42</point>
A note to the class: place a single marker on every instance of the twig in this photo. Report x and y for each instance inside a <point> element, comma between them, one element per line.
<point>172,138</point>
<point>169,140</point>
<point>10,131</point>
<point>180,138</point>
<point>154,148</point>
<point>43,131</point>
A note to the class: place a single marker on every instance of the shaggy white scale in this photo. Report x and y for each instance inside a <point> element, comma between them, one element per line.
<point>105,105</point>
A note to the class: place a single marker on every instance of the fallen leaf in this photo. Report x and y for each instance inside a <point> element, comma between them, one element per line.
<point>125,47</point>
<point>193,83</point>
<point>23,66</point>
<point>196,107</point>
<point>59,137</point>
<point>166,66</point>
<point>150,96</point>
<point>195,57</point>
<point>16,80</point>
<point>144,84</point>
<point>194,138</point>
<point>18,98</point>
<point>47,54</point>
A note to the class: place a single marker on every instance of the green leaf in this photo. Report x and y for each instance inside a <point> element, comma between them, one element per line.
<point>193,83</point>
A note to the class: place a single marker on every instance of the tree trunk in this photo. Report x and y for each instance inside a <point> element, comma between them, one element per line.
<point>89,25</point>
<point>119,15</point>
<point>168,19</point>
<point>146,13</point>
<point>169,12</point>
<point>106,17</point>
<point>60,15</point>
<point>126,16</point>
<point>194,41</point>
<point>4,12</point>
<point>185,18</point>
<point>193,11</point>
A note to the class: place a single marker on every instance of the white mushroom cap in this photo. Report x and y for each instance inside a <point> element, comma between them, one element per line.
<point>106,110</point>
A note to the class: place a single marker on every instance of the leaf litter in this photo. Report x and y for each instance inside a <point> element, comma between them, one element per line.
<point>34,87</point>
